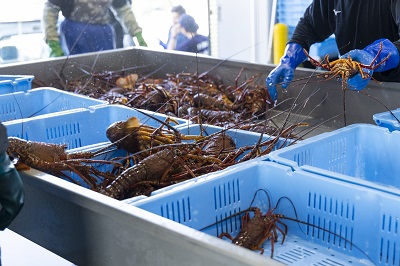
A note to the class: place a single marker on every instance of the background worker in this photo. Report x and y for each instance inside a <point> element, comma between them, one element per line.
<point>87,25</point>
<point>120,41</point>
<point>360,27</point>
<point>177,12</point>
<point>195,43</point>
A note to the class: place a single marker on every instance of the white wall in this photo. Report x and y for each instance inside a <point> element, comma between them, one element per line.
<point>243,29</point>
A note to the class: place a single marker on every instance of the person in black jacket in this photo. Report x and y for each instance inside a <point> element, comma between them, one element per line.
<point>361,28</point>
<point>11,187</point>
<point>87,26</point>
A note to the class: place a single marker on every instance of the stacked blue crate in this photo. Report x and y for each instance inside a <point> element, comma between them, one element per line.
<point>41,101</point>
<point>289,13</point>
<point>15,83</point>
<point>79,127</point>
<point>389,119</point>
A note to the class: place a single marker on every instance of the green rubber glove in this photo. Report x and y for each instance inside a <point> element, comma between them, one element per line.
<point>140,39</point>
<point>55,47</point>
<point>11,187</point>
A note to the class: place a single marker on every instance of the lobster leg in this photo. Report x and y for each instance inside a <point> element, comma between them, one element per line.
<point>226,235</point>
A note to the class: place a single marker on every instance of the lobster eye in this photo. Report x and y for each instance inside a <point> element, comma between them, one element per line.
<point>177,152</point>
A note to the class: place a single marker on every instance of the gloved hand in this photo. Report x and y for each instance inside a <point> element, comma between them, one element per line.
<point>366,57</point>
<point>284,72</point>
<point>55,47</point>
<point>140,39</point>
<point>164,45</point>
<point>11,187</point>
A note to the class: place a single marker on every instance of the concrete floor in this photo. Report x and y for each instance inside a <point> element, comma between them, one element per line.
<point>17,250</point>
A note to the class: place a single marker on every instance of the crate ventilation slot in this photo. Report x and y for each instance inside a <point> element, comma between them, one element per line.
<point>226,194</point>
<point>337,156</point>
<point>71,129</point>
<point>8,108</point>
<point>389,248</point>
<point>335,233</point>
<point>294,255</point>
<point>231,225</point>
<point>178,211</point>
<point>303,157</point>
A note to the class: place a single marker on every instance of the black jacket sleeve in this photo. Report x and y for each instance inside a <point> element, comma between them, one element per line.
<point>314,26</point>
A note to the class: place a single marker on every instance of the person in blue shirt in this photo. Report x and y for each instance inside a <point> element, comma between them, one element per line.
<point>196,43</point>
<point>177,13</point>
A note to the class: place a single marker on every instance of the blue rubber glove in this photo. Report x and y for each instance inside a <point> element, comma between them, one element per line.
<point>284,72</point>
<point>367,55</point>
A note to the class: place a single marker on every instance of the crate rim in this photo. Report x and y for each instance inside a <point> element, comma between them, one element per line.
<point>274,157</point>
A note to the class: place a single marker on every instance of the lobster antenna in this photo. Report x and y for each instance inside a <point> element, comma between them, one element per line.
<point>266,193</point>
<point>376,99</point>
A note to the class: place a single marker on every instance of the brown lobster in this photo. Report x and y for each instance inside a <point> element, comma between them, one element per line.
<point>259,228</point>
<point>133,136</point>
<point>255,231</point>
<point>53,159</point>
<point>168,165</point>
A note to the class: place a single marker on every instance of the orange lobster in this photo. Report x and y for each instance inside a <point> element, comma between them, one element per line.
<point>346,68</point>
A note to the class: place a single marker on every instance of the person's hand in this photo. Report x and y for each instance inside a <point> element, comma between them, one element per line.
<point>140,39</point>
<point>11,187</point>
<point>380,49</point>
<point>164,45</point>
<point>284,72</point>
<point>175,30</point>
<point>55,48</point>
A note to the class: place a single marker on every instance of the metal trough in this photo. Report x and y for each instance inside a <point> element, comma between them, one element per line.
<point>325,103</point>
<point>87,228</point>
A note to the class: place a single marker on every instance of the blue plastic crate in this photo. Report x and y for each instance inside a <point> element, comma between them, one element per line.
<point>15,83</point>
<point>388,120</point>
<point>361,153</point>
<point>290,12</point>
<point>242,139</point>
<point>41,101</point>
<point>79,127</point>
<point>366,217</point>
<point>328,47</point>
